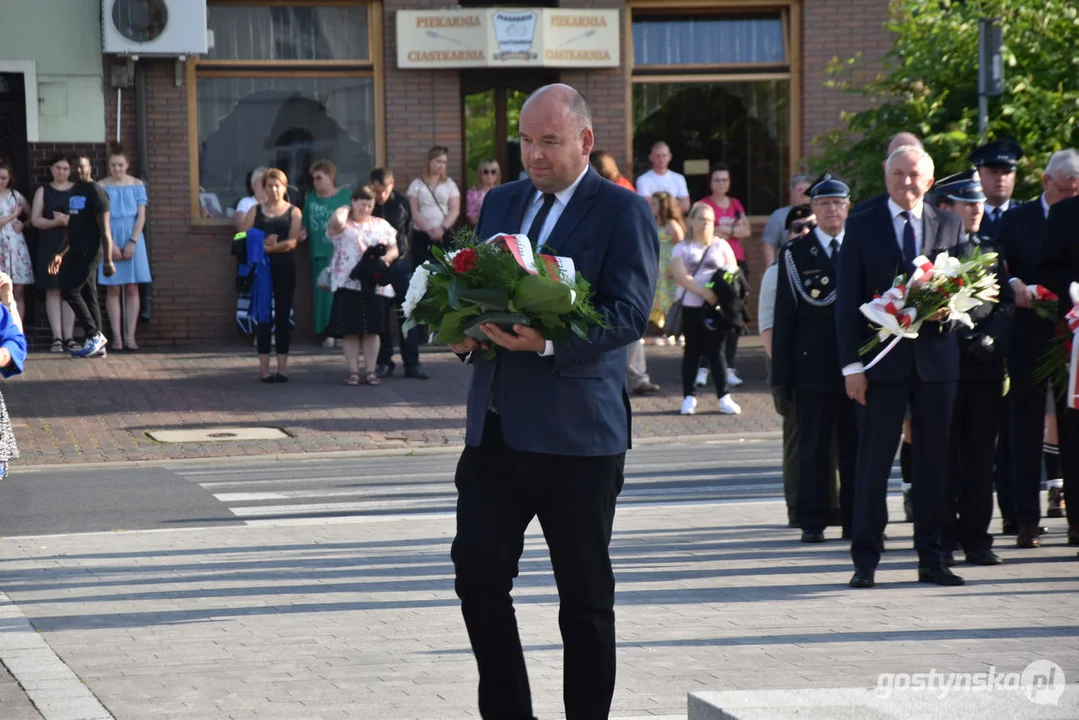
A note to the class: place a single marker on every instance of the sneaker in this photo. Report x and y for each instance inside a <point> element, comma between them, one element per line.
<point>1056,506</point>
<point>702,377</point>
<point>728,406</point>
<point>93,346</point>
<point>328,342</point>
<point>661,341</point>
<point>689,405</point>
<point>733,379</point>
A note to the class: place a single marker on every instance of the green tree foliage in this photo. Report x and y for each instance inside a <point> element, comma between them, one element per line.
<point>928,85</point>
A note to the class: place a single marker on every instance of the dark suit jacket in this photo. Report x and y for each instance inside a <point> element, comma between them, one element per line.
<point>1023,241</point>
<point>804,352</point>
<point>868,264</point>
<point>991,229</point>
<point>397,212</point>
<point>869,204</point>
<point>574,402</point>
<point>1059,264</point>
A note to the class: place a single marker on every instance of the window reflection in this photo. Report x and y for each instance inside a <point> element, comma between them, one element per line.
<point>707,40</point>
<point>252,32</point>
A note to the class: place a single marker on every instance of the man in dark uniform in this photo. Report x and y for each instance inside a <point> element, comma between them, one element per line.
<point>1023,239</point>
<point>805,358</point>
<point>996,162</point>
<point>393,207</point>
<point>979,397</point>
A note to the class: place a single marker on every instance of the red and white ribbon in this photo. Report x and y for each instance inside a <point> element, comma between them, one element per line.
<point>521,249</point>
<point>1042,293</point>
<point>1072,319</point>
<point>890,313</point>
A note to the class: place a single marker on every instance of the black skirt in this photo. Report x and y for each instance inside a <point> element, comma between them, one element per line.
<point>354,314</point>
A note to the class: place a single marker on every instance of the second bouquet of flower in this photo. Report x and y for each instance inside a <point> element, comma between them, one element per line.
<point>498,281</point>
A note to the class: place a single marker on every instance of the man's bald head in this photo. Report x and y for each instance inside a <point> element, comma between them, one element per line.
<point>556,137</point>
<point>899,140</point>
<point>560,94</point>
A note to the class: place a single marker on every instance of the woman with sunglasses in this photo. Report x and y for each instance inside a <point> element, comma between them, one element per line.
<point>490,175</point>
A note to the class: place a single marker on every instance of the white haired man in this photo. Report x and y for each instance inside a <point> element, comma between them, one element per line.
<point>921,373</point>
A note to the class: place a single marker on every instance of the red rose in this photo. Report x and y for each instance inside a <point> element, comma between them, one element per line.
<point>960,282</point>
<point>465,260</point>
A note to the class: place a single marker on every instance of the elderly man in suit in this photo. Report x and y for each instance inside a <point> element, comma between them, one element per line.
<point>1032,253</point>
<point>879,244</point>
<point>549,422</point>
<point>1060,268</point>
<point>896,141</point>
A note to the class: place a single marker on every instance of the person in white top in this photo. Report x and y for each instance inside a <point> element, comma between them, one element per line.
<point>662,179</point>
<point>435,202</point>
<point>693,263</point>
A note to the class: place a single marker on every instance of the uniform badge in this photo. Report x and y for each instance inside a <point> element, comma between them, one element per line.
<point>814,251</point>
<point>815,293</point>
<point>825,280</point>
<point>808,282</point>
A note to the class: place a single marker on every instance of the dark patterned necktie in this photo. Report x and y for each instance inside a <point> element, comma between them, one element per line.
<point>536,228</point>
<point>834,246</point>
<point>909,250</point>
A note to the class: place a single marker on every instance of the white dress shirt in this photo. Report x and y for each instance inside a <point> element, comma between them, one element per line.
<point>897,223</point>
<point>1045,206</point>
<point>915,219</point>
<point>990,209</point>
<point>825,240</point>
<point>561,200</point>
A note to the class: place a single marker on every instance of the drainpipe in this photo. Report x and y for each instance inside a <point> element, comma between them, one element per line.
<point>142,151</point>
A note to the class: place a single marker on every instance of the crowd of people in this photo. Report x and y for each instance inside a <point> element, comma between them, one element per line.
<point>970,405</point>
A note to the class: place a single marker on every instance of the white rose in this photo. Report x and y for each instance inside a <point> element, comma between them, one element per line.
<point>417,288</point>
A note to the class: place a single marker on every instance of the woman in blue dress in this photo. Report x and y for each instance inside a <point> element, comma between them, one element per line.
<point>127,199</point>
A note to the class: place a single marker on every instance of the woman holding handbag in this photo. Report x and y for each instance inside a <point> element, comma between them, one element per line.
<point>436,204</point>
<point>693,263</point>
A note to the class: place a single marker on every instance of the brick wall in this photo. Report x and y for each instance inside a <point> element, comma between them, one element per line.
<point>836,28</point>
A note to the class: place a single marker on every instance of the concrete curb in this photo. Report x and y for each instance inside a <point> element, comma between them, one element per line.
<point>56,691</point>
<point>384,452</point>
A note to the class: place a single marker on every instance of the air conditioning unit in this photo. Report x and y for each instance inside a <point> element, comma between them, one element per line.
<point>154,27</point>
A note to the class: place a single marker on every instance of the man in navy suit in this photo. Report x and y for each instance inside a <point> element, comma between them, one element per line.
<point>880,244</point>
<point>549,423</point>
<point>896,141</point>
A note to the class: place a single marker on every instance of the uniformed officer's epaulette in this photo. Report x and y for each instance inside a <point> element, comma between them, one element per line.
<point>800,281</point>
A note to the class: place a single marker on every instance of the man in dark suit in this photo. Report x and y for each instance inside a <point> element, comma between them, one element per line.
<point>979,398</point>
<point>393,207</point>
<point>996,162</point>
<point>1059,269</point>
<point>879,244</point>
<point>549,423</point>
<point>1024,241</point>
<point>804,359</point>
<point>898,140</point>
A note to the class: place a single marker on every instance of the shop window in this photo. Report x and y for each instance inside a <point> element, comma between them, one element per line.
<point>284,86</point>
<point>716,88</point>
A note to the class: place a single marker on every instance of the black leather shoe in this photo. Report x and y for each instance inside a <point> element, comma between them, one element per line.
<point>847,533</point>
<point>939,576</point>
<point>983,557</point>
<point>949,559</point>
<point>862,578</point>
<point>793,523</point>
<point>1009,527</point>
<point>812,536</point>
<point>416,373</point>
<point>384,371</point>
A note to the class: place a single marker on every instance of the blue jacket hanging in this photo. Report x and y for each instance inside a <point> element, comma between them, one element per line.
<point>253,274</point>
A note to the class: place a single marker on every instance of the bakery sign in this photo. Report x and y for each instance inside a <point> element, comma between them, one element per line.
<point>507,37</point>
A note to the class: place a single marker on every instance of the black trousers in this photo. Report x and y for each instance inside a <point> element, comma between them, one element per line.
<point>499,491</point>
<point>701,342</point>
<point>78,287</point>
<point>283,276</point>
<point>880,424</point>
<point>823,419</point>
<point>1027,404</point>
<point>1068,433</point>
<point>1002,472</point>
<point>401,271</point>
<point>975,423</point>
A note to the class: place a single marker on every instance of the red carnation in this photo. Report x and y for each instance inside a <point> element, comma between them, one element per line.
<point>960,282</point>
<point>465,260</point>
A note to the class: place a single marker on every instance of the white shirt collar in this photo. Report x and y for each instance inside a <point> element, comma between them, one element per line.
<point>1045,205</point>
<point>563,196</point>
<point>1003,207</point>
<point>825,239</point>
<point>916,213</point>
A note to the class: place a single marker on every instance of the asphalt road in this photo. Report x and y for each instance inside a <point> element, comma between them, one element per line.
<point>254,491</point>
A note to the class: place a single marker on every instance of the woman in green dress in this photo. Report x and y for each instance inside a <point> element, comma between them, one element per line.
<point>672,230</point>
<point>318,207</point>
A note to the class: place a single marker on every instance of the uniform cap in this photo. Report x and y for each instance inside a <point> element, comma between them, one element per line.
<point>961,187</point>
<point>1003,154</point>
<point>826,186</point>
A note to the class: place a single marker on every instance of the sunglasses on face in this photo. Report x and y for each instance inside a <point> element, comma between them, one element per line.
<point>490,171</point>
<point>801,227</point>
